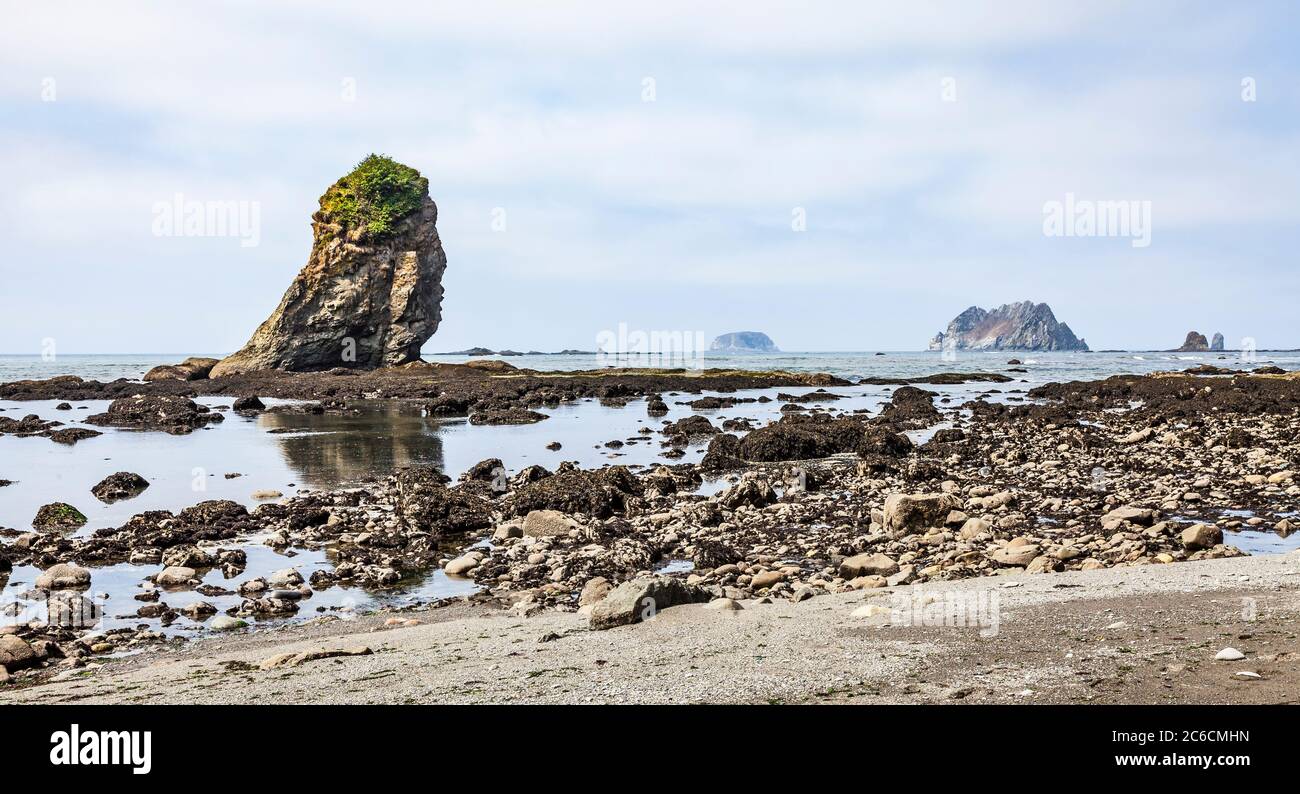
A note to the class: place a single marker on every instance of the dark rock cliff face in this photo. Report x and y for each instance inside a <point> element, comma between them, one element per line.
<point>371,292</point>
<point>744,342</point>
<point>1015,326</point>
<point>1194,343</point>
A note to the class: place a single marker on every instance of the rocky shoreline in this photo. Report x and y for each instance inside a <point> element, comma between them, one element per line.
<point>1128,471</point>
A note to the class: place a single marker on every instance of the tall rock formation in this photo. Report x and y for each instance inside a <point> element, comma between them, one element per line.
<point>744,342</point>
<point>371,291</point>
<point>1014,326</point>
<point>1216,344</point>
<point>1194,343</point>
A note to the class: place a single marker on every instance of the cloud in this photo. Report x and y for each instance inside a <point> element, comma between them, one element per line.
<point>833,108</point>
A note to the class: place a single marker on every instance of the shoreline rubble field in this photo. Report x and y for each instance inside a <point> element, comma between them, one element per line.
<point>1132,474</point>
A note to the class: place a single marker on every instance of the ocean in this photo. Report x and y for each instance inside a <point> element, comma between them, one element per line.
<point>1042,367</point>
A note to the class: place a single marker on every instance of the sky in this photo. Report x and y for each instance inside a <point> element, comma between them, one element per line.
<point>841,176</point>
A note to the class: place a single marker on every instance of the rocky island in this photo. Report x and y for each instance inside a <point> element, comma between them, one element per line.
<point>1195,342</point>
<point>744,342</point>
<point>1014,326</point>
<point>371,292</point>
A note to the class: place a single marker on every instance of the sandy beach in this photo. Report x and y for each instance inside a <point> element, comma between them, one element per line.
<point>1146,635</point>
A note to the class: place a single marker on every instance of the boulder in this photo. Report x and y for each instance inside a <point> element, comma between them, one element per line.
<point>548,524</point>
<point>371,291</point>
<point>227,623</point>
<point>58,516</point>
<point>64,576</point>
<point>1201,536</point>
<point>906,514</point>
<point>867,565</point>
<point>15,653</point>
<point>284,579</point>
<point>594,590</point>
<point>642,598</point>
<point>599,494</point>
<point>1017,556</point>
<point>189,369</point>
<point>186,556</point>
<point>250,404</point>
<point>425,503</point>
<point>766,579</point>
<point>199,611</point>
<point>119,486</point>
<point>1141,516</point>
<point>175,576</point>
<point>751,492</point>
<point>461,566</point>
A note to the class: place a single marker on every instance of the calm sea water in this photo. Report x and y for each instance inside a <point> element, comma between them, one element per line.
<point>1043,367</point>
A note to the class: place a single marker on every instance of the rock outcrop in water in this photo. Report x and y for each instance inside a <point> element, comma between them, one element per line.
<point>1194,343</point>
<point>1015,326</point>
<point>744,342</point>
<point>189,369</point>
<point>1216,344</point>
<point>371,292</point>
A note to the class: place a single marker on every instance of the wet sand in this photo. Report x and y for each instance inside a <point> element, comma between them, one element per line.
<point>1146,635</point>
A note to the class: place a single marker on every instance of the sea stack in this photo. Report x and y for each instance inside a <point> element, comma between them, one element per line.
<point>370,294</point>
<point>1194,343</point>
<point>1013,326</point>
<point>744,342</point>
<point>1216,344</point>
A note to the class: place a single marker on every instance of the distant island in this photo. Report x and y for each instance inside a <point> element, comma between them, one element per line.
<point>1195,342</point>
<point>1013,326</point>
<point>744,342</point>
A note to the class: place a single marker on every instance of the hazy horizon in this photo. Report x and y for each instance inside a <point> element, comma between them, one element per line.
<point>835,177</point>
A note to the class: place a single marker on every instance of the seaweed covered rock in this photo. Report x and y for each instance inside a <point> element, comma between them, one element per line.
<point>801,438</point>
<point>57,516</point>
<point>426,503</point>
<point>600,494</point>
<point>910,406</point>
<point>170,414</point>
<point>722,454</point>
<point>119,486</point>
<point>879,441</point>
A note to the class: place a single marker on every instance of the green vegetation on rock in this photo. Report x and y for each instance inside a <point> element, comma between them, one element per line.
<point>59,514</point>
<point>377,194</point>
